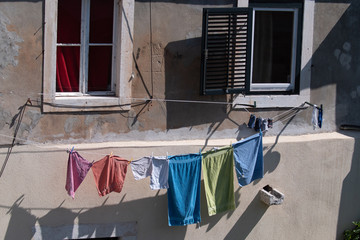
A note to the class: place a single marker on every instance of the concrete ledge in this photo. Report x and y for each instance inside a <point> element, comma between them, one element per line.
<point>200,143</point>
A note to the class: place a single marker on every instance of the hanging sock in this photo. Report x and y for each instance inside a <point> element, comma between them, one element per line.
<point>218,172</point>
<point>320,116</point>
<point>249,160</point>
<point>264,125</point>
<point>258,122</point>
<point>314,118</point>
<point>77,169</point>
<point>251,123</point>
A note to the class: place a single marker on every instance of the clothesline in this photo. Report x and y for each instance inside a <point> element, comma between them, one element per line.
<point>133,98</point>
<point>159,100</point>
<point>275,118</point>
<point>189,101</point>
<point>39,144</point>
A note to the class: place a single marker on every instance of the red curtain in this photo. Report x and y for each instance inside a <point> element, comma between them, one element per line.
<point>68,57</point>
<point>67,69</point>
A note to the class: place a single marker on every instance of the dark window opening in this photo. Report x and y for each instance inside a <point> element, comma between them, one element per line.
<point>273,45</point>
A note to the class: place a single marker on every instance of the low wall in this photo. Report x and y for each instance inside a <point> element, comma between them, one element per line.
<point>319,175</point>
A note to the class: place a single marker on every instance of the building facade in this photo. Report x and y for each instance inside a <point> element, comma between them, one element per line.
<point>156,99</point>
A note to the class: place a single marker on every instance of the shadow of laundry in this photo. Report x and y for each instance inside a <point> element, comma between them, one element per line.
<point>248,219</point>
<point>21,222</point>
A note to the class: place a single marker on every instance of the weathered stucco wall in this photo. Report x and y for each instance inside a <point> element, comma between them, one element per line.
<point>167,65</point>
<point>317,173</point>
<point>336,62</point>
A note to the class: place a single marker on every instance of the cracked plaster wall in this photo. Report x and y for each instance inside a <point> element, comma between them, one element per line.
<point>9,48</point>
<point>168,66</point>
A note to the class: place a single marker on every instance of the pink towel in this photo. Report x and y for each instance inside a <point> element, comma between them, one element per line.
<point>77,169</point>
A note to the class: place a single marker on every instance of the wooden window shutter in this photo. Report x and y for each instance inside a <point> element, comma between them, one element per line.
<point>226,50</point>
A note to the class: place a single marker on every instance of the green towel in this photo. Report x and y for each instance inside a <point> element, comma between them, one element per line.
<point>218,171</point>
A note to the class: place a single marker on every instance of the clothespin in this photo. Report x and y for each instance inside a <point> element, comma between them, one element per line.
<point>111,154</point>
<point>72,149</point>
<point>214,149</point>
<point>29,101</point>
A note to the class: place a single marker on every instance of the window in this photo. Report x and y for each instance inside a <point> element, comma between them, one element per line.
<point>260,53</point>
<point>88,54</point>
<point>274,49</point>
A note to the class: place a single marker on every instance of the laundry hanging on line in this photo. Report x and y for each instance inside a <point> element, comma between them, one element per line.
<point>181,174</point>
<point>249,160</point>
<point>218,172</point>
<point>263,124</point>
<point>317,117</point>
<point>258,123</point>
<point>77,169</point>
<point>184,189</point>
<point>109,174</point>
<point>155,167</point>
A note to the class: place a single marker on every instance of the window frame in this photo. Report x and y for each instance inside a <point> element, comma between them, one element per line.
<point>120,98</point>
<point>271,100</point>
<point>295,58</point>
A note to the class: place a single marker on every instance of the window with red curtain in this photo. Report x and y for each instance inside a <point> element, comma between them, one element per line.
<point>84,54</point>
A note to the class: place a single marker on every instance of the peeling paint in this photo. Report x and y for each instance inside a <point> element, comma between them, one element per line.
<point>5,118</point>
<point>70,123</point>
<point>344,56</point>
<point>90,119</point>
<point>356,93</point>
<point>9,50</point>
<point>34,116</point>
<point>97,124</point>
<point>194,34</point>
<point>133,121</point>
<point>353,94</point>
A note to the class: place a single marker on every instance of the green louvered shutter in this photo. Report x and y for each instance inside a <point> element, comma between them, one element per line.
<point>226,50</point>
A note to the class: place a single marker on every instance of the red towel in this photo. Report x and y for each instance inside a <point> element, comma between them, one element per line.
<point>109,174</point>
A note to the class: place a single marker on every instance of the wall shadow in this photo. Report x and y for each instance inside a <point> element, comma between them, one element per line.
<point>211,221</point>
<point>350,198</point>
<point>100,221</point>
<point>182,82</point>
<point>248,219</point>
<point>336,62</point>
<point>21,222</point>
<point>57,217</point>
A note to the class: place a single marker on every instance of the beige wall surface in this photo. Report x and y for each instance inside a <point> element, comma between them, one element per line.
<point>317,174</point>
